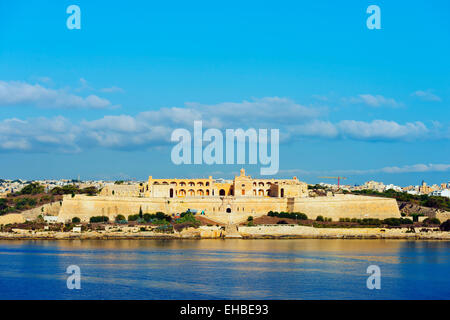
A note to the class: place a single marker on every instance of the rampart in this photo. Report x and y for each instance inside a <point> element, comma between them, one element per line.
<point>340,206</point>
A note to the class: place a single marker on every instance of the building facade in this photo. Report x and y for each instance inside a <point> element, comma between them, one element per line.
<point>241,186</point>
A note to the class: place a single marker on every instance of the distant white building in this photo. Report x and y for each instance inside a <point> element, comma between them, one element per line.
<point>441,193</point>
<point>51,219</point>
<point>393,187</point>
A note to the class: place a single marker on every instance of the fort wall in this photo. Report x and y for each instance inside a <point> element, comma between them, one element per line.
<point>343,206</point>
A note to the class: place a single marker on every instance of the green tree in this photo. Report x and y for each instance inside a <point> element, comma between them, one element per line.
<point>120,217</point>
<point>32,188</point>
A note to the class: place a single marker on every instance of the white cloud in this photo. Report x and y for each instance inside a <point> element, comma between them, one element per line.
<point>391,170</point>
<point>16,93</point>
<point>373,101</point>
<point>382,130</point>
<point>153,128</point>
<point>112,89</point>
<point>417,168</point>
<point>426,95</point>
<point>39,135</point>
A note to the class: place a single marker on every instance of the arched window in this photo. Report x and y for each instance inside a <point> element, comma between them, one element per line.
<point>221,192</point>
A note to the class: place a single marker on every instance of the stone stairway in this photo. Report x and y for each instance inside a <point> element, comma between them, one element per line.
<point>231,231</point>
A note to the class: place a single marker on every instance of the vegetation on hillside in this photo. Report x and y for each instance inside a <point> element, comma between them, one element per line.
<point>73,189</point>
<point>442,203</point>
<point>34,195</point>
<point>289,215</point>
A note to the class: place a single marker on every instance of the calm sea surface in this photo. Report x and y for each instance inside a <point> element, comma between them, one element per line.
<point>225,269</point>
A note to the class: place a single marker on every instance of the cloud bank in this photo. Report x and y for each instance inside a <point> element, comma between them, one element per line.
<point>17,93</point>
<point>153,128</point>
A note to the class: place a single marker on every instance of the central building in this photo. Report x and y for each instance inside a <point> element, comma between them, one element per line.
<point>240,186</point>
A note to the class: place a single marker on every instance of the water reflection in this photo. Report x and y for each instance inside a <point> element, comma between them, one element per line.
<point>225,269</point>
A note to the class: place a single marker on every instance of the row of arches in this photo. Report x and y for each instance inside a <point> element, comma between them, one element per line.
<point>183,183</point>
<point>190,193</point>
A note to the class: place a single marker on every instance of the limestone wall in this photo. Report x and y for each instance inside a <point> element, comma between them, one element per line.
<point>345,206</point>
<point>51,209</point>
<point>11,218</point>
<point>443,216</point>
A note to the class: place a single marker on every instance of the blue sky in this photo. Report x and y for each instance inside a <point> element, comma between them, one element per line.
<point>101,102</point>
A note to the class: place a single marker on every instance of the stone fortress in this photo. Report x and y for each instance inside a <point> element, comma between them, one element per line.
<point>223,201</point>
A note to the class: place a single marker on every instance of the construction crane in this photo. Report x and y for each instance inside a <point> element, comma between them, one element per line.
<point>338,179</point>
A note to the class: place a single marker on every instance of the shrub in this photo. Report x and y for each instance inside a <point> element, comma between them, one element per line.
<point>250,218</point>
<point>76,220</point>
<point>319,218</point>
<point>24,203</point>
<point>149,217</point>
<point>32,188</point>
<point>406,221</point>
<point>394,222</point>
<point>431,221</point>
<point>188,217</point>
<point>99,219</point>
<point>282,222</point>
<point>120,217</point>
<point>288,215</point>
<point>445,226</point>
<point>133,217</point>
<point>370,222</point>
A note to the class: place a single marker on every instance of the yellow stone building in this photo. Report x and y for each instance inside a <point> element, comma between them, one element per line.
<point>222,200</point>
<point>241,186</point>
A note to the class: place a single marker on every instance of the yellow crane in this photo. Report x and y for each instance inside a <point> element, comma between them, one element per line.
<point>338,179</point>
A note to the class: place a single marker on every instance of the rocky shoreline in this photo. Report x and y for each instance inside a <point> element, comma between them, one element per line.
<point>256,232</point>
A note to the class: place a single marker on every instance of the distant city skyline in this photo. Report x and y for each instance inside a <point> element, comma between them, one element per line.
<point>101,102</point>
